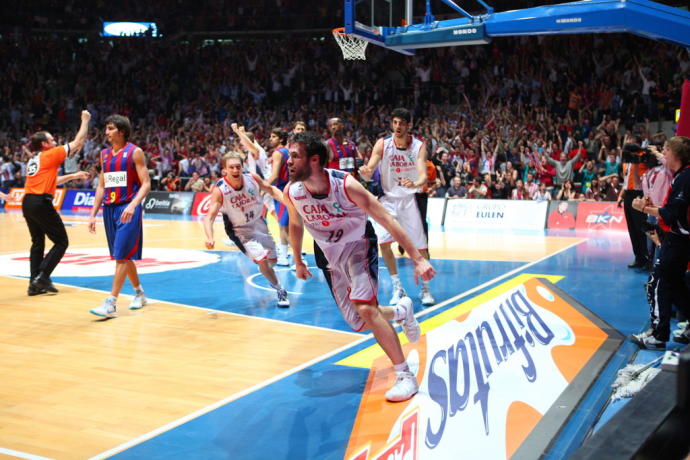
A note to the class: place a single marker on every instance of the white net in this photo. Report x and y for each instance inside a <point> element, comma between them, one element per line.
<point>352,46</point>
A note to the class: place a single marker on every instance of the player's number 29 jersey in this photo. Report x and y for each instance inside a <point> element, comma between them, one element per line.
<point>330,219</point>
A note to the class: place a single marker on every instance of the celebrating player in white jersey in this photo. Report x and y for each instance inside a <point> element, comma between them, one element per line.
<point>238,197</point>
<point>401,159</point>
<point>334,208</point>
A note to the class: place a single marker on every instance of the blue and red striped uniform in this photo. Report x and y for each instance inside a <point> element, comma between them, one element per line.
<point>283,174</point>
<point>283,178</point>
<point>121,183</point>
<point>340,151</point>
<point>122,161</point>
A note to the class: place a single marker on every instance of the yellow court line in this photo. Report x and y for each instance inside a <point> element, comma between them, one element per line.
<point>365,358</point>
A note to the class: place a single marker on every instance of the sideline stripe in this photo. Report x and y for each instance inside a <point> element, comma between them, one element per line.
<point>216,405</point>
<point>19,454</point>
<point>250,279</point>
<point>209,310</point>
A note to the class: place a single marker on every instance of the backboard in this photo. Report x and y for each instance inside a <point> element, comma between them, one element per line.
<point>407,25</point>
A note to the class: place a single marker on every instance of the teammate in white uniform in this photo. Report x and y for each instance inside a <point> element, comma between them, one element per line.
<point>238,197</point>
<point>257,160</point>
<point>401,159</point>
<point>334,208</point>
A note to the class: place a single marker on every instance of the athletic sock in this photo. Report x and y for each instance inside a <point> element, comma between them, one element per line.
<point>138,289</point>
<point>395,278</point>
<point>401,368</point>
<point>284,248</point>
<point>399,312</point>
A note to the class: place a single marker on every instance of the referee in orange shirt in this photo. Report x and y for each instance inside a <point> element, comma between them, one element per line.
<point>41,217</point>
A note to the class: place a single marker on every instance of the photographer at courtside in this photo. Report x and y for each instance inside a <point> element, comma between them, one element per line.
<point>667,285</point>
<point>633,168</point>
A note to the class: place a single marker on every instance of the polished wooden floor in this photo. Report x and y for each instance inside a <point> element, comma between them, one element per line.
<point>74,386</point>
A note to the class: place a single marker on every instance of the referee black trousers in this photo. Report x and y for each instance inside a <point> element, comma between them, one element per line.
<point>666,286</point>
<point>636,220</point>
<point>43,220</point>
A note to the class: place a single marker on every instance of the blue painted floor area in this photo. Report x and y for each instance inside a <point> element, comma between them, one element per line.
<point>223,286</point>
<point>307,415</point>
<point>596,275</point>
<point>310,414</point>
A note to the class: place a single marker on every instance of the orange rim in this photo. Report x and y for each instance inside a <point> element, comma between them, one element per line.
<point>339,31</point>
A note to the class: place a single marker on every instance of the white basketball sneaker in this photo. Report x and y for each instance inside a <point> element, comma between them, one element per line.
<point>283,259</point>
<point>138,301</point>
<point>410,324</point>
<point>107,310</point>
<point>426,297</point>
<point>405,387</point>
<point>283,301</point>
<point>398,293</point>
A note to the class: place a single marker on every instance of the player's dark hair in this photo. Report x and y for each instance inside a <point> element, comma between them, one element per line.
<point>281,133</point>
<point>122,124</point>
<point>401,113</point>
<point>313,145</point>
<point>37,139</point>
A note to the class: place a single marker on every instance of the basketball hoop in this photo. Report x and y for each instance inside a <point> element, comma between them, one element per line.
<point>352,46</point>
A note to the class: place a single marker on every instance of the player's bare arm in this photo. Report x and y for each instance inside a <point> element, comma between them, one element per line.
<point>421,171</point>
<point>369,204</point>
<point>244,139</point>
<point>296,231</point>
<point>367,171</point>
<point>272,190</point>
<point>98,199</point>
<point>143,173</point>
<point>216,203</point>
<point>276,164</point>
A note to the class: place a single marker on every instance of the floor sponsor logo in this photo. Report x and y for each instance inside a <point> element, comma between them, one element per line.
<point>97,262</point>
<point>495,369</point>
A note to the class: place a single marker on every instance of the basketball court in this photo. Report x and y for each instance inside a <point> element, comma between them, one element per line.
<point>516,358</point>
<point>212,368</point>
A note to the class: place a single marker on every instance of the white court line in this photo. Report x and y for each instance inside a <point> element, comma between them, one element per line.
<point>227,400</point>
<point>206,309</point>
<point>258,386</point>
<point>19,454</point>
<point>251,282</point>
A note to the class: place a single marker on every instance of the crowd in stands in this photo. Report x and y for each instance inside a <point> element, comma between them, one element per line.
<point>520,118</point>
